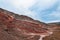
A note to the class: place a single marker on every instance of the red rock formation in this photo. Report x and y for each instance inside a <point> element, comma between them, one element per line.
<point>21,29</point>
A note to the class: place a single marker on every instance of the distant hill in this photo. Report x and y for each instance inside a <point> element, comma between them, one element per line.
<point>56,34</point>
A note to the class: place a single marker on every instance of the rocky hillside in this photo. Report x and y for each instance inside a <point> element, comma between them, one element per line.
<point>20,17</point>
<point>14,27</point>
<point>56,34</point>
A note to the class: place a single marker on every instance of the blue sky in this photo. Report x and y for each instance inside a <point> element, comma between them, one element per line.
<point>42,10</point>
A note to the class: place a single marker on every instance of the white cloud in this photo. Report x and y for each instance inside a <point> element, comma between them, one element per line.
<point>58,9</point>
<point>25,4</point>
<point>45,4</point>
<point>55,14</point>
<point>53,21</point>
<point>22,3</point>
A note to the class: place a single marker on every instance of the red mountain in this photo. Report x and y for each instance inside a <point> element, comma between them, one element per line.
<point>21,27</point>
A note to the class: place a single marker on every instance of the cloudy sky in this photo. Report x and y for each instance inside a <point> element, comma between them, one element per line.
<point>42,10</point>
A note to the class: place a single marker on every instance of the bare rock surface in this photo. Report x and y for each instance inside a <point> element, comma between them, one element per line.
<point>20,27</point>
<point>56,33</point>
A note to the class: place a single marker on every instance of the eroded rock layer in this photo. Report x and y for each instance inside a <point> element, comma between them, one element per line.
<point>14,27</point>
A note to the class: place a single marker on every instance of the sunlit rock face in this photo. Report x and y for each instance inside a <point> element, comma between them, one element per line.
<point>21,27</point>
